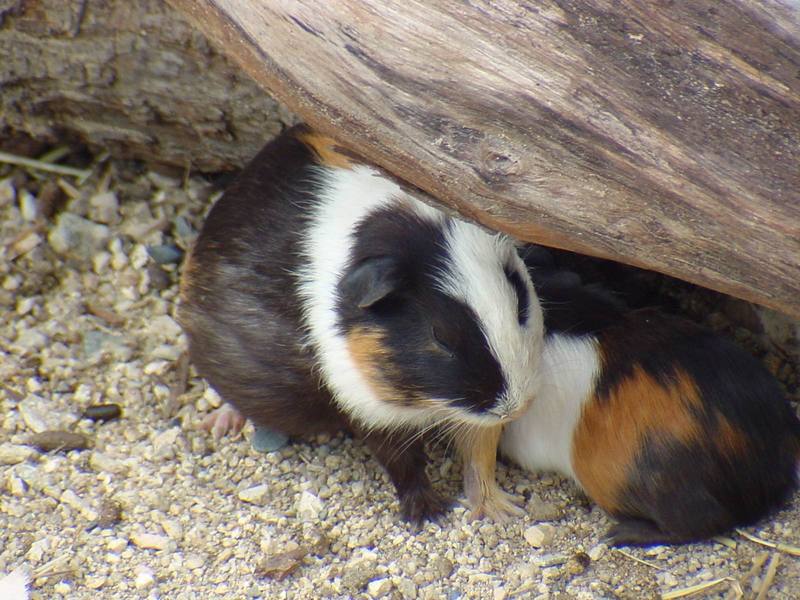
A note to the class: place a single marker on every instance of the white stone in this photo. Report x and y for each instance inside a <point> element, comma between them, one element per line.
<point>597,552</point>
<point>166,352</point>
<point>166,327</point>
<point>539,536</point>
<point>145,577</point>
<point>406,587</point>
<point>27,243</point>
<point>308,506</point>
<point>117,545</point>
<point>95,582</point>
<point>28,207</point>
<point>12,454</point>
<point>104,207</point>
<point>150,540</point>
<point>72,499</point>
<point>212,397</point>
<point>194,561</point>
<point>377,588</point>
<point>16,486</point>
<point>33,413</point>
<point>172,528</point>
<point>103,462</point>
<point>164,443</point>
<point>254,495</point>
<point>30,340</point>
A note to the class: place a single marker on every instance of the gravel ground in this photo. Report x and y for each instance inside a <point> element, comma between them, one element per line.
<point>154,508</point>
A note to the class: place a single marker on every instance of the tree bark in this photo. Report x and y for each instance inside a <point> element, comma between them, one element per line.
<point>661,134</point>
<point>130,76</point>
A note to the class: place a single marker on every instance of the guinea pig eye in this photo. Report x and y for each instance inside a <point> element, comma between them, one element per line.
<point>443,346</point>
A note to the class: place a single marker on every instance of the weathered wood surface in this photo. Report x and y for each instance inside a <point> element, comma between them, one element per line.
<point>662,134</point>
<point>131,76</point>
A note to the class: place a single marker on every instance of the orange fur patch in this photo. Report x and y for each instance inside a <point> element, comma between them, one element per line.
<point>729,439</point>
<point>611,430</point>
<point>373,359</point>
<point>329,152</point>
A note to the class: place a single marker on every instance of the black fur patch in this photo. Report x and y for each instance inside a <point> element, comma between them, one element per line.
<point>521,291</point>
<point>434,340</point>
<point>239,306</point>
<point>569,305</point>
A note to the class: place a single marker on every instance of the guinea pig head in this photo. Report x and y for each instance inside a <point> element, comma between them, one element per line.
<point>441,321</point>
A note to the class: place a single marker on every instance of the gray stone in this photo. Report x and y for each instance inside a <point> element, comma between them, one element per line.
<point>77,237</point>
<point>165,254</point>
<point>267,440</point>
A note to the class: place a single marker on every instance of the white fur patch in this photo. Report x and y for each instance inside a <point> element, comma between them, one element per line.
<point>348,197</point>
<point>475,277</point>
<point>541,439</point>
<point>14,586</point>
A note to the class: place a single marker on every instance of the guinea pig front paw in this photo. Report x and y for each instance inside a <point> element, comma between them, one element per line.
<point>421,504</point>
<point>224,420</point>
<point>495,504</point>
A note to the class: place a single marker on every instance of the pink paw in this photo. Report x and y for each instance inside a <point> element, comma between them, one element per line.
<point>224,420</point>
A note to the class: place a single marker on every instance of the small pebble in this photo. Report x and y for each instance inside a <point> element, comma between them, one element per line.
<point>110,514</point>
<point>145,577</point>
<point>27,206</point>
<point>64,441</point>
<point>164,443</point>
<point>539,536</point>
<point>193,561</point>
<point>159,278</point>
<point>281,565</point>
<point>77,237</point>
<point>184,229</point>
<point>254,495</point>
<point>104,208</point>
<point>117,545</point>
<point>268,440</point>
<point>102,412</point>
<point>105,463</point>
<point>164,254</point>
<point>377,588</point>
<point>150,540</point>
<point>95,582</point>
<point>12,454</point>
<point>308,506</point>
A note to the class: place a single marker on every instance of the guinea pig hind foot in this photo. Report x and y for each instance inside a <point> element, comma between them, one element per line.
<point>639,532</point>
<point>222,421</point>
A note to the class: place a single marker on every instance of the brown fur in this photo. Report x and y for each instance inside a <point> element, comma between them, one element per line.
<point>373,359</point>
<point>327,150</point>
<point>612,429</point>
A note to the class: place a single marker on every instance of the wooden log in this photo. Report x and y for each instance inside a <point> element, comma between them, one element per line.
<point>130,76</point>
<point>661,134</point>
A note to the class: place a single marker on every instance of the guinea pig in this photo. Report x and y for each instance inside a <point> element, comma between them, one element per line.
<point>672,429</point>
<point>320,295</point>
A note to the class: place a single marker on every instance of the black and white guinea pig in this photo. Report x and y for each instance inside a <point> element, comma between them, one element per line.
<point>675,431</point>
<point>320,296</point>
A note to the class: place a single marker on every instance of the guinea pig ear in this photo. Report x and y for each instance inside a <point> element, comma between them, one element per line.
<point>370,281</point>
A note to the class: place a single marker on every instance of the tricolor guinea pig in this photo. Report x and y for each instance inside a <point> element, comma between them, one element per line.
<point>672,429</point>
<point>320,295</point>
